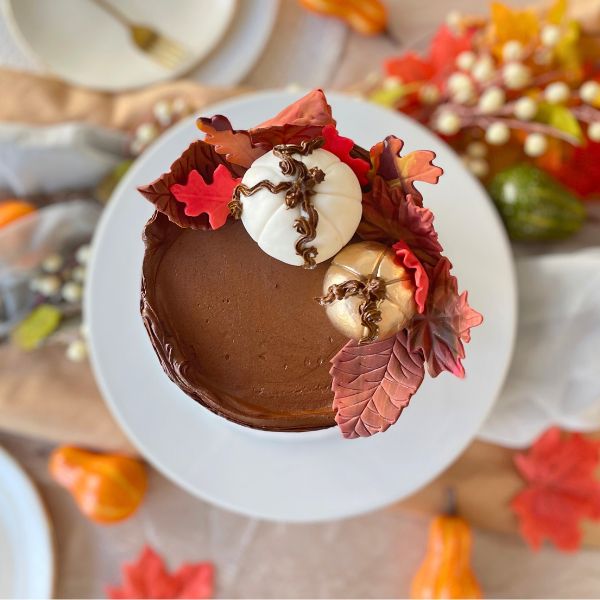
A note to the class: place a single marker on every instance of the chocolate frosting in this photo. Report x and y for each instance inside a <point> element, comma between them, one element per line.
<point>237,330</point>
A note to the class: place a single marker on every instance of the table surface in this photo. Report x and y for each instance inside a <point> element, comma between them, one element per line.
<point>370,556</point>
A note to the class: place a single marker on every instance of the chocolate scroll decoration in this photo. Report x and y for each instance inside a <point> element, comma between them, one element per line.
<point>372,291</point>
<point>298,192</point>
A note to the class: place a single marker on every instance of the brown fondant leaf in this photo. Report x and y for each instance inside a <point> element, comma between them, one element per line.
<point>441,330</point>
<point>311,109</point>
<point>389,215</point>
<point>236,146</point>
<point>200,157</point>
<point>283,134</point>
<point>403,171</point>
<point>373,383</point>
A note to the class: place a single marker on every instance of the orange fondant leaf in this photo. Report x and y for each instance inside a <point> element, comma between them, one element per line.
<point>311,109</point>
<point>444,325</point>
<point>149,578</point>
<point>404,171</point>
<point>209,198</point>
<point>373,383</point>
<point>405,257</point>
<point>342,147</point>
<point>562,488</point>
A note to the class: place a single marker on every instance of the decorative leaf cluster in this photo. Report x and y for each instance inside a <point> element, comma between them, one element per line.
<point>562,488</point>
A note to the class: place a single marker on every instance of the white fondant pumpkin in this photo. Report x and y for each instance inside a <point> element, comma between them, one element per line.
<point>337,199</point>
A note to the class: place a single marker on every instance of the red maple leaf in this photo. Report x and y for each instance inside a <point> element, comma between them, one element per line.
<point>441,330</point>
<point>149,578</point>
<point>341,147</point>
<point>562,488</point>
<point>406,257</point>
<point>210,198</point>
<point>389,215</point>
<point>373,383</point>
<point>403,171</point>
<point>408,68</point>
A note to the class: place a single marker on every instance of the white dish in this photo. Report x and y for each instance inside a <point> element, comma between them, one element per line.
<point>91,48</point>
<point>316,475</point>
<point>26,553</point>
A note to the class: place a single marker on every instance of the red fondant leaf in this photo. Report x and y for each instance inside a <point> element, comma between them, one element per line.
<point>562,489</point>
<point>149,578</point>
<point>236,146</point>
<point>403,171</point>
<point>441,330</point>
<point>212,198</point>
<point>311,109</point>
<point>373,383</point>
<point>389,215</point>
<point>405,257</point>
<point>200,157</point>
<point>342,147</point>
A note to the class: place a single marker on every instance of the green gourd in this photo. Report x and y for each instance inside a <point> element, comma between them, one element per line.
<point>534,206</point>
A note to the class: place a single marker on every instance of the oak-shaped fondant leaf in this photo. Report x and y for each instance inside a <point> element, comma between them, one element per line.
<point>148,578</point>
<point>444,325</point>
<point>342,148</point>
<point>236,146</point>
<point>373,383</point>
<point>404,171</point>
<point>200,157</point>
<point>562,489</point>
<point>209,198</point>
<point>389,215</point>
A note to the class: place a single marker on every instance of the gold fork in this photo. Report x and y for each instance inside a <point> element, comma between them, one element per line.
<point>165,51</point>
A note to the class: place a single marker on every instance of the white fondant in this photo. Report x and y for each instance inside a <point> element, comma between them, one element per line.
<point>338,200</point>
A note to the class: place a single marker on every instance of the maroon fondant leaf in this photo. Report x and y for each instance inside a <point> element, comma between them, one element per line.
<point>342,148</point>
<point>403,171</point>
<point>237,146</point>
<point>406,257</point>
<point>373,383</point>
<point>311,109</point>
<point>200,157</point>
<point>441,330</point>
<point>283,134</point>
<point>212,199</point>
<point>389,215</point>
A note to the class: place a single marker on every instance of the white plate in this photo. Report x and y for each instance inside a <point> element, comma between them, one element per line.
<point>317,475</point>
<point>81,43</point>
<point>26,554</point>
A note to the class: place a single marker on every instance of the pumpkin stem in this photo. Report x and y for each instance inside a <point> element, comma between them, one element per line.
<point>451,504</point>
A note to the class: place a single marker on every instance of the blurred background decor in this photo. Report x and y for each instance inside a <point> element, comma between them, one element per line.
<point>514,90</point>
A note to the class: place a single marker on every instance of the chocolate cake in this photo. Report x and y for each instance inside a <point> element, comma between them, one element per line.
<point>271,247</point>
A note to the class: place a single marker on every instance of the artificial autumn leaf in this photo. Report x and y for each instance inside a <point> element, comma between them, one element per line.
<point>149,578</point>
<point>445,46</point>
<point>200,157</point>
<point>508,24</point>
<point>209,198</point>
<point>561,118</point>
<point>409,261</point>
<point>441,330</point>
<point>409,67</point>
<point>270,137</point>
<point>373,383</point>
<point>389,216</point>
<point>311,109</point>
<point>579,169</point>
<point>342,147</point>
<point>236,146</point>
<point>560,471</point>
<point>403,171</point>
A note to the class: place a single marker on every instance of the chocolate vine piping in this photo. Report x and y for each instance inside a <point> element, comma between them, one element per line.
<point>373,292</point>
<point>297,192</point>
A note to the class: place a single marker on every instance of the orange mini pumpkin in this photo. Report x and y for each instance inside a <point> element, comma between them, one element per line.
<point>106,487</point>
<point>446,571</point>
